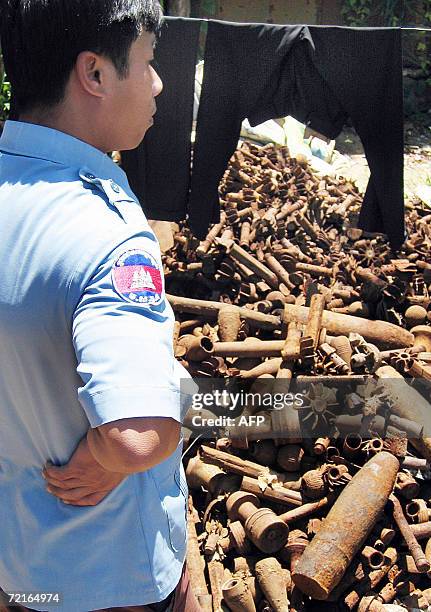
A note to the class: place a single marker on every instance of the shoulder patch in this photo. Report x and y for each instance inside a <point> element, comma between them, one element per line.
<point>137,278</point>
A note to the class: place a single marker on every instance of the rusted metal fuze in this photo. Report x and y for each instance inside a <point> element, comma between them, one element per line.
<point>237,595</point>
<point>261,525</point>
<point>346,527</point>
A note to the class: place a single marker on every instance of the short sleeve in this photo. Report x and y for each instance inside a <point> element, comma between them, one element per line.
<point>122,335</point>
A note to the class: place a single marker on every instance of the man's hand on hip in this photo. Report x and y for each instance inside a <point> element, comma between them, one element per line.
<point>82,481</point>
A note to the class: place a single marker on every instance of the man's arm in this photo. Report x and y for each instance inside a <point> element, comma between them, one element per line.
<point>107,454</point>
<point>134,445</point>
<point>122,336</point>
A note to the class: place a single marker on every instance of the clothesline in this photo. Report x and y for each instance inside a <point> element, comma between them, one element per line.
<point>415,28</point>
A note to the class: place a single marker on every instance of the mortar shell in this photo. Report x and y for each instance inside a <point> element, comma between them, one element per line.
<point>272,581</point>
<point>229,322</point>
<point>238,596</point>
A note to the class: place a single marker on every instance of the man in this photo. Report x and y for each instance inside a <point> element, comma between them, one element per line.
<point>93,493</point>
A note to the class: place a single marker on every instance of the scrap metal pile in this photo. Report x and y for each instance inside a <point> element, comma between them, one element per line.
<point>328,505</point>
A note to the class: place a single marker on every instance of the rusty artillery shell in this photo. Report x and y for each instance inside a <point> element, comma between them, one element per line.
<point>264,528</point>
<point>303,511</point>
<point>292,343</point>
<point>197,348</point>
<point>244,568</point>
<point>272,581</point>
<point>382,334</point>
<point>279,271</point>
<point>243,257</point>
<point>212,234</point>
<point>215,574</point>
<point>346,527</point>
<point>211,477</point>
<point>422,336</point>
<point>415,315</point>
<point>314,320</point>
<point>229,322</point>
<point>270,366</point>
<point>238,596</point>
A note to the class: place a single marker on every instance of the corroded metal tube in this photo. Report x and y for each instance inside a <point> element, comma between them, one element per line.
<point>346,527</point>
<point>382,334</point>
<point>259,348</point>
<point>207,308</point>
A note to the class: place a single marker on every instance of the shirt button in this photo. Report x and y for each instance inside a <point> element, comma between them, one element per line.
<point>115,187</point>
<point>91,177</point>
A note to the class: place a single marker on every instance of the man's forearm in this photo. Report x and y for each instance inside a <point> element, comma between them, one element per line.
<point>98,450</point>
<point>133,445</point>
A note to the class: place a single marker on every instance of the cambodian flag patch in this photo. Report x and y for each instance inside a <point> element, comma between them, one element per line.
<point>137,278</point>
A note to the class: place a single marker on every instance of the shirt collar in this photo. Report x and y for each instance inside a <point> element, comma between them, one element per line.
<point>32,140</point>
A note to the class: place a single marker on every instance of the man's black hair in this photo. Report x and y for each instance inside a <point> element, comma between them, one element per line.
<point>41,40</point>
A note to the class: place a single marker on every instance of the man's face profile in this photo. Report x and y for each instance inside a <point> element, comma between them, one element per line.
<point>131,99</point>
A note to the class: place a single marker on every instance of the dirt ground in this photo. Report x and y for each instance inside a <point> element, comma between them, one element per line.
<point>350,160</point>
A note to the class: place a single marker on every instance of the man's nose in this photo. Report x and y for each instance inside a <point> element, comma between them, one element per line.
<point>157,83</point>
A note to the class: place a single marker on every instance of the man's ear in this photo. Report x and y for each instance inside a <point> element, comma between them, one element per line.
<point>92,73</point>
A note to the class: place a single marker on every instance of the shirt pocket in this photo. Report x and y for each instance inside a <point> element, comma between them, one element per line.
<point>171,485</point>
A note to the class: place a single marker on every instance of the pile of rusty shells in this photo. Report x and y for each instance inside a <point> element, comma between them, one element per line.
<point>285,236</point>
<point>328,526</point>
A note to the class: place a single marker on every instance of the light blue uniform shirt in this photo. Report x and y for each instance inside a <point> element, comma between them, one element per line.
<point>85,339</point>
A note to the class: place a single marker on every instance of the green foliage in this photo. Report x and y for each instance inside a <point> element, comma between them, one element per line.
<point>360,13</point>
<point>356,12</point>
<point>392,13</point>
<point>423,56</point>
